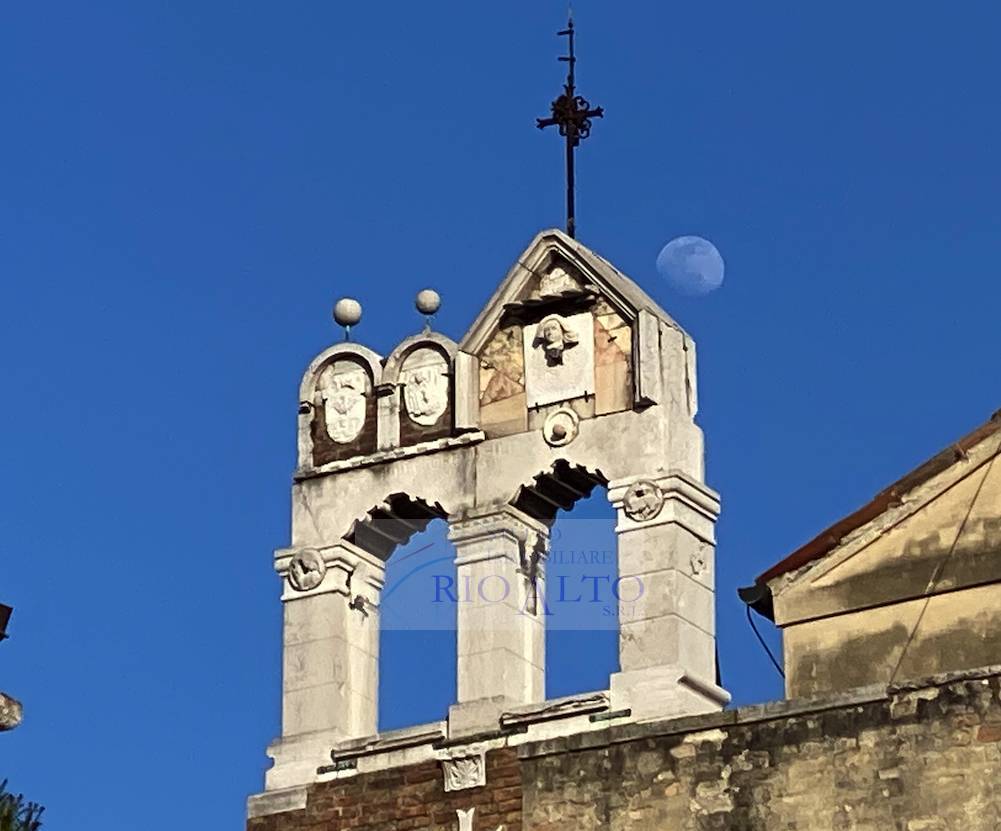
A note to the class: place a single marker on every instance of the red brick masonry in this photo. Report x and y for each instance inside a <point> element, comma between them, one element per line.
<point>407,798</point>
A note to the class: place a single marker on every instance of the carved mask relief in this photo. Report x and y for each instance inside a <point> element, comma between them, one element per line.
<point>554,337</point>
<point>424,377</point>
<point>341,390</point>
<point>559,358</point>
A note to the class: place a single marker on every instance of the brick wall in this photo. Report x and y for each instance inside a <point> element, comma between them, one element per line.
<point>406,798</point>
<point>921,757</point>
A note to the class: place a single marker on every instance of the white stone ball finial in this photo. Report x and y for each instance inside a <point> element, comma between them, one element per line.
<point>428,302</point>
<point>347,313</point>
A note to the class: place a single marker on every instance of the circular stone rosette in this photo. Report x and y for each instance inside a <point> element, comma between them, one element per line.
<point>306,570</point>
<point>643,501</point>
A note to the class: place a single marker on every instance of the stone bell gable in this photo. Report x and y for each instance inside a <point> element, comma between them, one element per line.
<point>571,377</point>
<point>566,329</point>
<point>907,586</point>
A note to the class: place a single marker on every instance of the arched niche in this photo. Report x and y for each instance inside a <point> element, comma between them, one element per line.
<point>338,416</point>
<point>421,380</point>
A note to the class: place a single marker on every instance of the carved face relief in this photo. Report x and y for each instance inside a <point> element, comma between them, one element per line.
<point>341,390</point>
<point>306,570</point>
<point>554,337</point>
<point>559,358</point>
<point>424,377</point>
<point>643,501</point>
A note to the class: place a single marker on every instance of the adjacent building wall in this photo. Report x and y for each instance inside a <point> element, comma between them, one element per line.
<point>913,592</point>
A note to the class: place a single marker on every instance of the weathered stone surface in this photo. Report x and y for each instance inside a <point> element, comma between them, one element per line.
<point>916,759</point>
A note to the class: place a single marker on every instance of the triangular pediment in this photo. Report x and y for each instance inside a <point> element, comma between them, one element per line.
<point>940,536</point>
<point>558,269</point>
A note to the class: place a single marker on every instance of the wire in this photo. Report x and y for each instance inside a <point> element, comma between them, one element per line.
<point>764,645</point>
<point>937,574</point>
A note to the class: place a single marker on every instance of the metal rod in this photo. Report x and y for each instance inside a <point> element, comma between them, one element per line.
<point>571,218</point>
<point>572,114</point>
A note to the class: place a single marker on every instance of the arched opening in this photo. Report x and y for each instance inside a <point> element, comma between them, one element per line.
<point>582,624</point>
<point>417,639</point>
<point>581,604</point>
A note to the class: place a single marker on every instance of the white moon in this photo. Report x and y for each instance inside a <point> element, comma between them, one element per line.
<point>691,265</point>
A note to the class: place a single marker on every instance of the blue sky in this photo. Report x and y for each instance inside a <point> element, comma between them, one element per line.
<point>186,187</point>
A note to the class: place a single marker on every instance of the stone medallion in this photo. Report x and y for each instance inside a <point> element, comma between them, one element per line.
<point>306,570</point>
<point>342,389</point>
<point>643,501</point>
<point>561,427</point>
<point>424,377</point>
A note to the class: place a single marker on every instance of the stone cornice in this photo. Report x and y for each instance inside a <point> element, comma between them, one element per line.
<point>496,521</point>
<point>383,456</point>
<point>686,502</point>
<point>344,562</point>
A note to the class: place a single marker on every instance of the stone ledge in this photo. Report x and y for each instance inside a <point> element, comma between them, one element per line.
<point>770,711</point>
<point>389,741</point>
<point>276,802</point>
<point>556,708</point>
<point>381,456</point>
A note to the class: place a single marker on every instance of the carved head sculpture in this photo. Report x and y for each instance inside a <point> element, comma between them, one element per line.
<point>554,337</point>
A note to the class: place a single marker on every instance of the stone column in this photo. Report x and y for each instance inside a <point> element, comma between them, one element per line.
<point>500,555</point>
<point>667,625</point>
<point>330,677</point>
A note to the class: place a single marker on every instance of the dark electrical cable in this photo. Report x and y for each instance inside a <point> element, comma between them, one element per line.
<point>937,573</point>
<point>764,645</point>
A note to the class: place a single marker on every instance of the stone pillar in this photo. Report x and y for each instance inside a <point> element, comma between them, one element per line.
<point>667,625</point>
<point>330,677</point>
<point>500,555</point>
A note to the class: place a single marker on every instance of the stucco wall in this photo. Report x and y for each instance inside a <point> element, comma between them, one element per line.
<point>942,633</point>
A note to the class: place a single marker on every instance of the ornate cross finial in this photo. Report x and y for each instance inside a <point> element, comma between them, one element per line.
<point>572,114</point>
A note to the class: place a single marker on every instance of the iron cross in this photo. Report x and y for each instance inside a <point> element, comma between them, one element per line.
<point>572,114</point>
